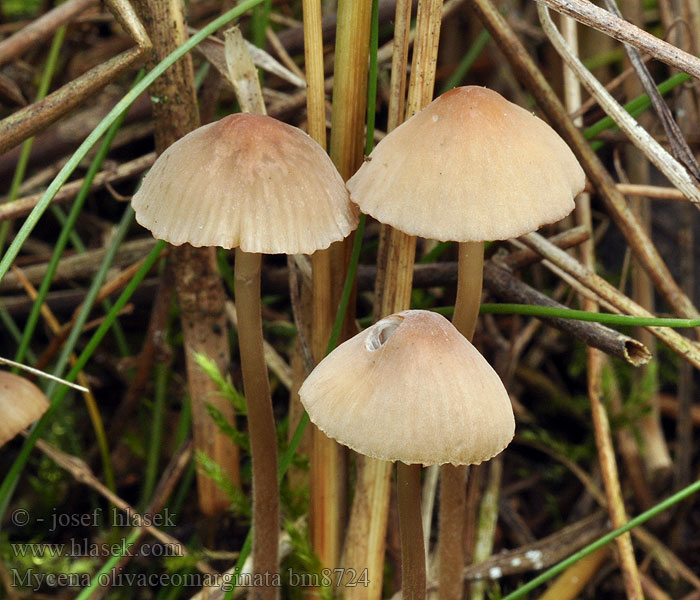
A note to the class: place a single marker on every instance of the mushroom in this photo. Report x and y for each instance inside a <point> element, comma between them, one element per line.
<point>21,403</point>
<point>470,167</point>
<point>412,389</point>
<point>254,183</point>
<point>247,181</point>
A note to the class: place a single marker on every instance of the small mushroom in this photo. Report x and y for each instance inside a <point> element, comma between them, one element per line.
<point>411,389</point>
<point>471,166</point>
<point>247,181</point>
<point>21,403</point>
<point>256,184</point>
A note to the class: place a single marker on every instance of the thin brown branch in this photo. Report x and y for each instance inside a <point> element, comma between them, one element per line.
<point>82,473</point>
<point>81,266</point>
<point>598,18</point>
<point>34,118</point>
<point>506,287</point>
<point>23,206</point>
<point>607,292</point>
<point>39,29</point>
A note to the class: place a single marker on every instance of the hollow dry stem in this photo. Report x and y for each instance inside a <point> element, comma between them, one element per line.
<point>199,288</point>
<point>611,480</point>
<point>619,29</point>
<point>609,293</point>
<point>346,151</point>
<point>327,467</point>
<point>367,530</point>
<point>594,358</point>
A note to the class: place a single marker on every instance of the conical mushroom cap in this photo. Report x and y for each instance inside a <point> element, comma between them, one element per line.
<point>411,388</point>
<point>21,403</point>
<point>250,181</point>
<point>469,167</point>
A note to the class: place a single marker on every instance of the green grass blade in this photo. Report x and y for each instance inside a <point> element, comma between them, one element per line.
<point>62,361</point>
<point>467,61</point>
<point>156,437</point>
<point>582,315</point>
<point>66,230</point>
<point>103,575</point>
<point>634,107</point>
<point>77,243</point>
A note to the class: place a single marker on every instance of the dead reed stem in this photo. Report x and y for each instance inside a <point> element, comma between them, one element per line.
<point>509,288</point>
<point>29,120</point>
<point>327,468</point>
<point>16,45</point>
<point>573,581</point>
<point>608,467</point>
<point>346,150</point>
<point>23,206</point>
<point>199,288</point>
<point>656,456</point>
<point>367,531</point>
<point>595,359</point>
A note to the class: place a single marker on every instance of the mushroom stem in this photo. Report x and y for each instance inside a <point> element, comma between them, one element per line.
<point>411,526</point>
<point>453,479</point>
<point>469,280</point>
<point>261,423</point>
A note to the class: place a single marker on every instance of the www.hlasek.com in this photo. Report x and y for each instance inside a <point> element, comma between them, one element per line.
<point>83,547</point>
<point>225,581</point>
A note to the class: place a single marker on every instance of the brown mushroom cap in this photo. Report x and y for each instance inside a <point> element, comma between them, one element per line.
<point>21,403</point>
<point>470,166</point>
<point>411,388</point>
<point>247,180</point>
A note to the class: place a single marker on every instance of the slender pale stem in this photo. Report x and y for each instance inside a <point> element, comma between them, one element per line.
<point>469,282</point>
<point>411,525</point>
<point>451,520</point>
<point>261,423</point>
<point>453,480</point>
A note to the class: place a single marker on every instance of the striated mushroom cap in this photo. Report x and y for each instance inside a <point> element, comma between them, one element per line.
<point>411,388</point>
<point>471,166</point>
<point>247,180</point>
<point>21,403</point>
